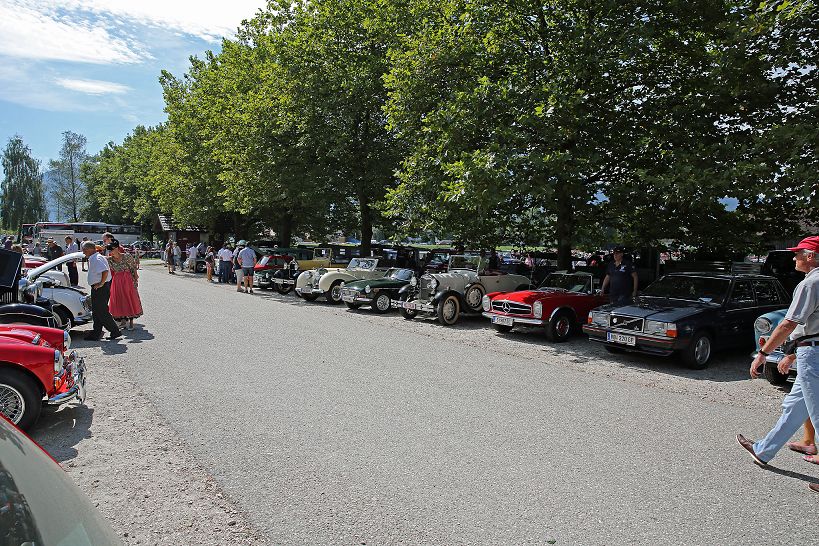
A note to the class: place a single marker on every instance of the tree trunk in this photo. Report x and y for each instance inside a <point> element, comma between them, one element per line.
<point>565,226</point>
<point>285,233</point>
<point>366,224</point>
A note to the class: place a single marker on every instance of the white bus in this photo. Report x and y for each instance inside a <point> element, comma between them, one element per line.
<point>92,230</point>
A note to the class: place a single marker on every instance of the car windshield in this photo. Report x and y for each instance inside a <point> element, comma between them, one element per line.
<point>271,260</point>
<point>705,289</point>
<point>464,262</point>
<point>401,274</point>
<point>571,283</point>
<point>362,263</point>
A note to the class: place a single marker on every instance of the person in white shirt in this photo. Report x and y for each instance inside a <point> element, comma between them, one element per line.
<point>247,259</point>
<point>225,263</point>
<point>99,279</point>
<point>193,253</point>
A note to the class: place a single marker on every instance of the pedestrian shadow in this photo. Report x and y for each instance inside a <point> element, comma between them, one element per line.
<point>114,347</point>
<point>137,335</point>
<point>791,474</point>
<point>59,430</point>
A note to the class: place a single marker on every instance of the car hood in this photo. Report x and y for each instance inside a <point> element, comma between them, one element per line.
<point>531,296</point>
<point>376,283</point>
<point>37,271</point>
<point>660,309</point>
<point>18,335</point>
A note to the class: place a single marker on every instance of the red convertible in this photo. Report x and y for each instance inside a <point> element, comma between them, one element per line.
<point>561,304</point>
<point>36,368</point>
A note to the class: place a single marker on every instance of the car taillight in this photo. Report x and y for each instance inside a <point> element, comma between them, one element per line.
<point>588,320</point>
<point>762,342</point>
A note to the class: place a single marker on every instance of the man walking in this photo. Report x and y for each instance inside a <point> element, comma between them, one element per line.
<point>621,279</point>
<point>53,252</point>
<point>801,327</point>
<point>247,259</point>
<point>99,279</point>
<point>225,263</point>
<point>73,274</point>
<point>193,254</point>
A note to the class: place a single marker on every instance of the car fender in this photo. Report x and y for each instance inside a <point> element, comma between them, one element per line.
<point>301,280</point>
<point>566,308</point>
<point>27,314</point>
<point>37,362</point>
<point>440,295</point>
<point>329,279</point>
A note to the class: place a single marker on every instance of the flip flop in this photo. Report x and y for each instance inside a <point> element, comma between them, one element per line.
<point>799,448</point>
<point>810,459</point>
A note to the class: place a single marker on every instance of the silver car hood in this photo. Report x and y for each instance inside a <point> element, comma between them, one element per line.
<point>37,271</point>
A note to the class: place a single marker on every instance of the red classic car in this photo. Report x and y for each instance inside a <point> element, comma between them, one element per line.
<point>36,368</point>
<point>561,303</point>
<point>265,268</point>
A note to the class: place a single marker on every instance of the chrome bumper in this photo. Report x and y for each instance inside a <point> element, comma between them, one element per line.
<point>413,306</point>
<point>308,290</point>
<point>284,281</point>
<point>516,320</point>
<point>76,367</point>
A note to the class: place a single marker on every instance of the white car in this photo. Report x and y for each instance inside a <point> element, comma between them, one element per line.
<point>72,306</point>
<point>328,282</point>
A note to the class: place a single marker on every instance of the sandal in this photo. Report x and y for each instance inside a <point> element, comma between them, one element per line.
<point>810,459</point>
<point>801,448</point>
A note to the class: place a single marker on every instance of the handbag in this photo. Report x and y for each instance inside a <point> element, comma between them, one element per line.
<point>789,347</point>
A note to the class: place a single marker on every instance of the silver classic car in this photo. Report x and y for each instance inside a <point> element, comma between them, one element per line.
<point>460,289</point>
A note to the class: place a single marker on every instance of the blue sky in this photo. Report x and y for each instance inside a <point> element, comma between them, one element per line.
<point>92,66</point>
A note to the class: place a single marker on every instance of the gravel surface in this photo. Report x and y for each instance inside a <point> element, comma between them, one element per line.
<point>332,426</point>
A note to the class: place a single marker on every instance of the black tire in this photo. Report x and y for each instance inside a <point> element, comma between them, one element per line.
<point>408,314</point>
<point>309,297</point>
<point>382,303</point>
<point>66,319</point>
<point>473,298</point>
<point>560,327</point>
<point>21,397</point>
<point>448,310</point>
<point>698,353</point>
<point>773,376</point>
<point>352,305</point>
<point>614,350</point>
<point>334,294</point>
<point>283,289</point>
<point>502,328</point>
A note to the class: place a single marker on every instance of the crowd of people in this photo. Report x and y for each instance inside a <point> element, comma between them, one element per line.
<point>229,265</point>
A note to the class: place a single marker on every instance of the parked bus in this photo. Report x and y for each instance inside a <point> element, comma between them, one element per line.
<point>93,230</point>
<point>26,233</point>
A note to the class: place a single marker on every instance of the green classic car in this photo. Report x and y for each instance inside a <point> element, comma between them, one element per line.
<point>377,293</point>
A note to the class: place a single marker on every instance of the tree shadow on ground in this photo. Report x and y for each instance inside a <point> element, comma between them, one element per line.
<point>59,430</point>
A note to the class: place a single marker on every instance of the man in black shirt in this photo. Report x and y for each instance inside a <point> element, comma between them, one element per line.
<point>621,279</point>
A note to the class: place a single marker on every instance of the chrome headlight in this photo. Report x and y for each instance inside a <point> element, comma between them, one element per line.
<point>414,281</point>
<point>487,304</point>
<point>433,283</point>
<point>58,361</point>
<point>537,309</point>
<point>599,318</point>
<point>657,328</point>
<point>367,289</point>
<point>763,325</point>
<point>66,340</point>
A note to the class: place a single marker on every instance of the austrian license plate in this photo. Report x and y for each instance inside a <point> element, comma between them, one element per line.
<point>622,338</point>
<point>409,305</point>
<point>503,321</point>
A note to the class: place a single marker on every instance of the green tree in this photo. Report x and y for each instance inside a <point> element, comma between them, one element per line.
<point>68,188</point>
<point>22,199</point>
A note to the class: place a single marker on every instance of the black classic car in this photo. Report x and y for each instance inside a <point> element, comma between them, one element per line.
<point>377,293</point>
<point>21,301</point>
<point>689,314</point>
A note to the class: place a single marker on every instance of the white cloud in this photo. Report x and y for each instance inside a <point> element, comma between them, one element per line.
<point>93,87</point>
<point>37,34</point>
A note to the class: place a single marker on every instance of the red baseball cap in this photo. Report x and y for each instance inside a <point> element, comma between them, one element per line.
<point>808,243</point>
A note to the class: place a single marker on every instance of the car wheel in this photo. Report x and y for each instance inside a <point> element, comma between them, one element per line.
<point>408,314</point>
<point>20,398</point>
<point>773,376</point>
<point>64,318</point>
<point>474,298</point>
<point>448,310</point>
<point>559,328</point>
<point>283,288</point>
<point>310,297</point>
<point>502,328</point>
<point>334,294</point>
<point>352,305</point>
<point>382,303</point>
<point>698,353</point>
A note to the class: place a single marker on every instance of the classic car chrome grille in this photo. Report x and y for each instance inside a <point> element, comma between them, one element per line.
<point>424,289</point>
<point>622,322</point>
<point>511,307</point>
<point>349,292</point>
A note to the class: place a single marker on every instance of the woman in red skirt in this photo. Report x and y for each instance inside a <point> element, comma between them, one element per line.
<point>124,303</point>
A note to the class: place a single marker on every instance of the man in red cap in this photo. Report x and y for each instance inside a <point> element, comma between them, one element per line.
<point>801,325</point>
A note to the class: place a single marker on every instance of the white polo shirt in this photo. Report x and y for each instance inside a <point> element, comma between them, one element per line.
<point>97,263</point>
<point>225,255</point>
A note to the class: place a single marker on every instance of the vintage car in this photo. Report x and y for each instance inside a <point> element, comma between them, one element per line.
<point>71,306</point>
<point>39,503</point>
<point>377,293</point>
<point>21,303</point>
<point>36,368</point>
<point>328,282</point>
<point>561,305</point>
<point>763,327</point>
<point>266,268</point>
<point>304,259</point>
<point>460,289</point>
<point>688,314</point>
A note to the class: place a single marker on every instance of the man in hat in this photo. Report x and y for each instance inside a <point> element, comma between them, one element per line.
<point>620,279</point>
<point>54,251</point>
<point>801,326</point>
<point>99,279</point>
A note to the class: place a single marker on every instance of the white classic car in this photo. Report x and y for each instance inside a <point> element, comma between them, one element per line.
<point>460,289</point>
<point>72,306</point>
<point>328,282</point>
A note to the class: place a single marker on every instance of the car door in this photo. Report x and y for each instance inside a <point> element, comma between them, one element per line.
<point>740,314</point>
<point>769,296</point>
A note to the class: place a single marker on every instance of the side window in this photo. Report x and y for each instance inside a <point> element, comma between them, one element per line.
<point>766,293</point>
<point>742,295</point>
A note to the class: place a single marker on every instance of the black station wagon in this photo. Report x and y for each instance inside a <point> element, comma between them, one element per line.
<point>688,314</point>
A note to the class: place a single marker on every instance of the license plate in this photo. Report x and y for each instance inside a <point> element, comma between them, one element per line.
<point>348,299</point>
<point>621,338</point>
<point>409,305</point>
<point>277,281</point>
<point>503,321</point>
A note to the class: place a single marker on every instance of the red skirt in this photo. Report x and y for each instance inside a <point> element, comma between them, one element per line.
<point>124,302</point>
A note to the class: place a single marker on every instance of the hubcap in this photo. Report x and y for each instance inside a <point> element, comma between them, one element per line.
<point>562,326</point>
<point>474,297</point>
<point>703,350</point>
<point>383,302</point>
<point>449,310</point>
<point>12,403</point>
<point>336,292</point>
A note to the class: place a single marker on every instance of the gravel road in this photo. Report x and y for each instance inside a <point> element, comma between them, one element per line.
<point>242,419</point>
